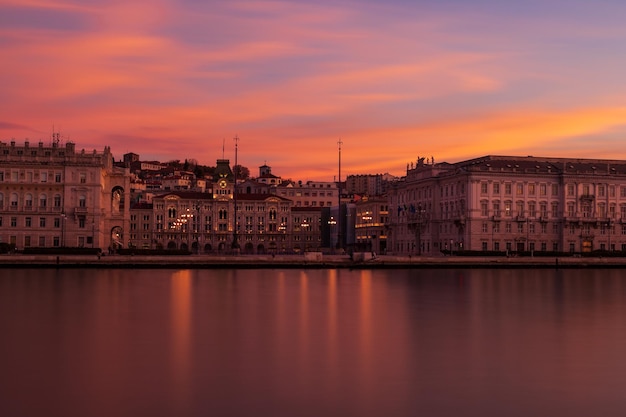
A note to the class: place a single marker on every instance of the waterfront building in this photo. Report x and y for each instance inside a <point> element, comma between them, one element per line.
<point>54,196</point>
<point>509,204</point>
<point>204,222</point>
<point>309,193</point>
<point>371,217</point>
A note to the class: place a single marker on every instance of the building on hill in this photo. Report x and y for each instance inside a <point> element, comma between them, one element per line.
<point>309,194</point>
<point>370,184</point>
<point>56,196</point>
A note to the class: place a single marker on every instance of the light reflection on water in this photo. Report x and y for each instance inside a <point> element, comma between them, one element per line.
<point>312,342</point>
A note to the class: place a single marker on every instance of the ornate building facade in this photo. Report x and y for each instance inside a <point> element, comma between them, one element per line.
<point>506,203</point>
<point>54,196</point>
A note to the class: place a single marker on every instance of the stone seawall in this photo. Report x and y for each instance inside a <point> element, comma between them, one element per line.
<point>299,261</point>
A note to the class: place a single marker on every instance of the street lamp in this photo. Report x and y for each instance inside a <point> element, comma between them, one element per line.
<point>332,223</point>
<point>195,220</point>
<point>63,216</point>
<point>305,227</point>
<point>186,220</point>
<point>367,218</point>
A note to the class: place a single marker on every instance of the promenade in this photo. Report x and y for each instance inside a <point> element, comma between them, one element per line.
<point>300,261</point>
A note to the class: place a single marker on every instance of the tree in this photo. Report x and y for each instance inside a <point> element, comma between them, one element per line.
<point>241,172</point>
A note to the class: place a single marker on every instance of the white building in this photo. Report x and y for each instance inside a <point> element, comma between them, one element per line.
<point>54,196</point>
<point>508,203</point>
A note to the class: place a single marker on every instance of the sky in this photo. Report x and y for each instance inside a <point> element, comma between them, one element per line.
<point>392,80</point>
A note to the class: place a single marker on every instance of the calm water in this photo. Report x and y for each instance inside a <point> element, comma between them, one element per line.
<point>312,343</point>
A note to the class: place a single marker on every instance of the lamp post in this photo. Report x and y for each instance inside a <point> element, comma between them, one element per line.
<point>304,226</point>
<point>235,244</point>
<point>186,220</point>
<point>366,219</point>
<point>332,223</point>
<point>339,143</point>
<point>63,229</point>
<point>196,223</point>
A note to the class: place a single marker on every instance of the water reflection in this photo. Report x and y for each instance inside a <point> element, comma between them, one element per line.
<point>312,342</point>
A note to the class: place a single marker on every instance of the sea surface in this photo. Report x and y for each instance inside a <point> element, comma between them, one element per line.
<point>286,342</point>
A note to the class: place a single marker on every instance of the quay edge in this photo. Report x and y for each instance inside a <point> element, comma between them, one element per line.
<point>298,261</point>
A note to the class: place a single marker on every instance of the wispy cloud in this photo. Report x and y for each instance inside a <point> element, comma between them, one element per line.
<point>171,79</point>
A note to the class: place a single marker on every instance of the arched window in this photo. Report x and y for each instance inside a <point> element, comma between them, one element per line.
<point>117,200</point>
<point>28,201</point>
<point>171,213</point>
<point>14,200</point>
<point>82,201</point>
<point>43,201</point>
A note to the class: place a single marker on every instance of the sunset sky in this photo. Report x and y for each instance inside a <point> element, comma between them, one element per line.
<point>393,79</point>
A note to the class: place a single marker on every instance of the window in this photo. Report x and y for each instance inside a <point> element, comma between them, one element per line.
<point>555,189</point>
<point>484,208</point>
<point>519,189</point>
<point>13,221</point>
<point>43,201</point>
<point>496,208</point>
<point>43,176</point>
<point>83,178</point>
<point>555,210</point>
<point>496,188</point>
<point>28,222</point>
<point>570,190</point>
<point>507,188</point>
<point>81,222</point>
<point>82,201</point>
<point>483,187</point>
<point>57,177</point>
<point>42,222</point>
<point>485,227</point>
<point>531,189</point>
